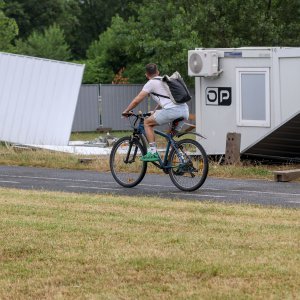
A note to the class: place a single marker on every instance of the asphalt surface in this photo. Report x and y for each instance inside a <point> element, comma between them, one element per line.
<point>286,194</point>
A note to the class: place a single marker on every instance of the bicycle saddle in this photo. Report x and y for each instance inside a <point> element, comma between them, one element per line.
<point>177,120</point>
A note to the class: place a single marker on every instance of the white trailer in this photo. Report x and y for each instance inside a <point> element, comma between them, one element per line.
<point>38,99</point>
<point>253,91</point>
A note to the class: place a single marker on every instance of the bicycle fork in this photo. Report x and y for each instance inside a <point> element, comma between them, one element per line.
<point>127,161</point>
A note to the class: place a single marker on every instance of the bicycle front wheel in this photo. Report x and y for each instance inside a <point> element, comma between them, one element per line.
<point>125,164</point>
<point>189,165</point>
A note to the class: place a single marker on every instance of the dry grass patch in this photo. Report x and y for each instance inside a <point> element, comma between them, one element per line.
<point>69,246</point>
<point>50,159</point>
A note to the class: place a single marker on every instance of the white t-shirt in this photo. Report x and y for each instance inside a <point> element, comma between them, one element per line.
<point>156,86</point>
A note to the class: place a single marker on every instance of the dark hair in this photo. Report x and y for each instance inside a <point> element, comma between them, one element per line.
<point>151,69</point>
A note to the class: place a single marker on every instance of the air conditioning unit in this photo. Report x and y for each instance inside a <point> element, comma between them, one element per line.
<point>203,63</point>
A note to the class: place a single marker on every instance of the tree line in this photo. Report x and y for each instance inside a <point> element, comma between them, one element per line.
<point>116,38</point>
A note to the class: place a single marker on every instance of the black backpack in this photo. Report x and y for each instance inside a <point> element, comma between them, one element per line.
<point>176,88</point>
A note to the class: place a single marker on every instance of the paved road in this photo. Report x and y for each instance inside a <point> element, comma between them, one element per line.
<point>221,190</point>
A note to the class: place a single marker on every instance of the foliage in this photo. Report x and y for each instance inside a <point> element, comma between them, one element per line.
<point>95,17</point>
<point>147,38</point>
<point>154,40</point>
<point>33,15</point>
<point>68,21</point>
<point>119,78</point>
<point>8,31</point>
<point>81,20</point>
<point>49,44</point>
<point>233,23</point>
<point>37,16</point>
<point>95,73</point>
<point>109,52</point>
<point>127,34</point>
<point>288,22</point>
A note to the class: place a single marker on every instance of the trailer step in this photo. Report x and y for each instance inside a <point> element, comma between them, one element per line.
<point>287,175</point>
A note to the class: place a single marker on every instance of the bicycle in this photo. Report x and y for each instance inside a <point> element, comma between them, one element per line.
<point>185,160</point>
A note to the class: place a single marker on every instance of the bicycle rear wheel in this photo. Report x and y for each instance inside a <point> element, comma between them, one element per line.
<point>125,164</point>
<point>190,174</point>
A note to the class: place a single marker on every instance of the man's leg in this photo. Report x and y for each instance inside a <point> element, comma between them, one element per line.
<point>152,154</point>
<point>149,125</point>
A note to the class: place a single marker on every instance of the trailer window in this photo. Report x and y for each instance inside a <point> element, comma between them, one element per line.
<point>253,97</point>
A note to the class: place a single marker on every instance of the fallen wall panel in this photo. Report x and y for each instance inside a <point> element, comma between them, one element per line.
<point>37,99</point>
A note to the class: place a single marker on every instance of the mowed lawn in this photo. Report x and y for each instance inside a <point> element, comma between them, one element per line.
<point>79,246</point>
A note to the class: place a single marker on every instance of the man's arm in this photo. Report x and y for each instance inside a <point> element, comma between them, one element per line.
<point>157,107</point>
<point>139,98</point>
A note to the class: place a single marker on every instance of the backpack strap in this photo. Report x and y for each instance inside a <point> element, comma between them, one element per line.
<point>159,95</point>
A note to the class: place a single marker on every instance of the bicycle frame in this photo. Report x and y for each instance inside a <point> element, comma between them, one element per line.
<point>161,164</point>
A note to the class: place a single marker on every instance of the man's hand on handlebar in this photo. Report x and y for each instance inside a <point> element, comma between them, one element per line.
<point>127,113</point>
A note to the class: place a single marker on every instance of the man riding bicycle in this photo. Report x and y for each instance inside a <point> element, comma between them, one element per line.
<point>169,111</point>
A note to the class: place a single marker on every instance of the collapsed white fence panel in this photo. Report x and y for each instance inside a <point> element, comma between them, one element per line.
<point>38,99</point>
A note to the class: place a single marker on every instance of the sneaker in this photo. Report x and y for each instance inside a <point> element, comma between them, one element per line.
<point>150,157</point>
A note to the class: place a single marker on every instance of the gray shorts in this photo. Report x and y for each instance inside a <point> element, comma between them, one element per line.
<point>165,116</point>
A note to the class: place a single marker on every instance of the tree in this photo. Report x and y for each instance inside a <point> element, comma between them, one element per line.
<point>129,45</point>
<point>162,33</point>
<point>36,16</point>
<point>108,54</point>
<point>95,72</point>
<point>81,20</point>
<point>96,17</point>
<point>286,15</point>
<point>49,44</point>
<point>160,30</point>
<point>235,23</point>
<point>33,15</point>
<point>68,21</point>
<point>8,30</point>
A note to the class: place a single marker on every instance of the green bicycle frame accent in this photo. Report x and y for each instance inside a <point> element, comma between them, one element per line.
<point>170,142</point>
<point>162,164</point>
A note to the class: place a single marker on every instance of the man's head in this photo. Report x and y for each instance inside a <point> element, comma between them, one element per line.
<point>151,70</point>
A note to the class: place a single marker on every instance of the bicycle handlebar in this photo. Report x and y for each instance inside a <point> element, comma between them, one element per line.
<point>140,114</point>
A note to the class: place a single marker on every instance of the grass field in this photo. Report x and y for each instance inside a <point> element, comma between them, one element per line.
<point>68,246</point>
